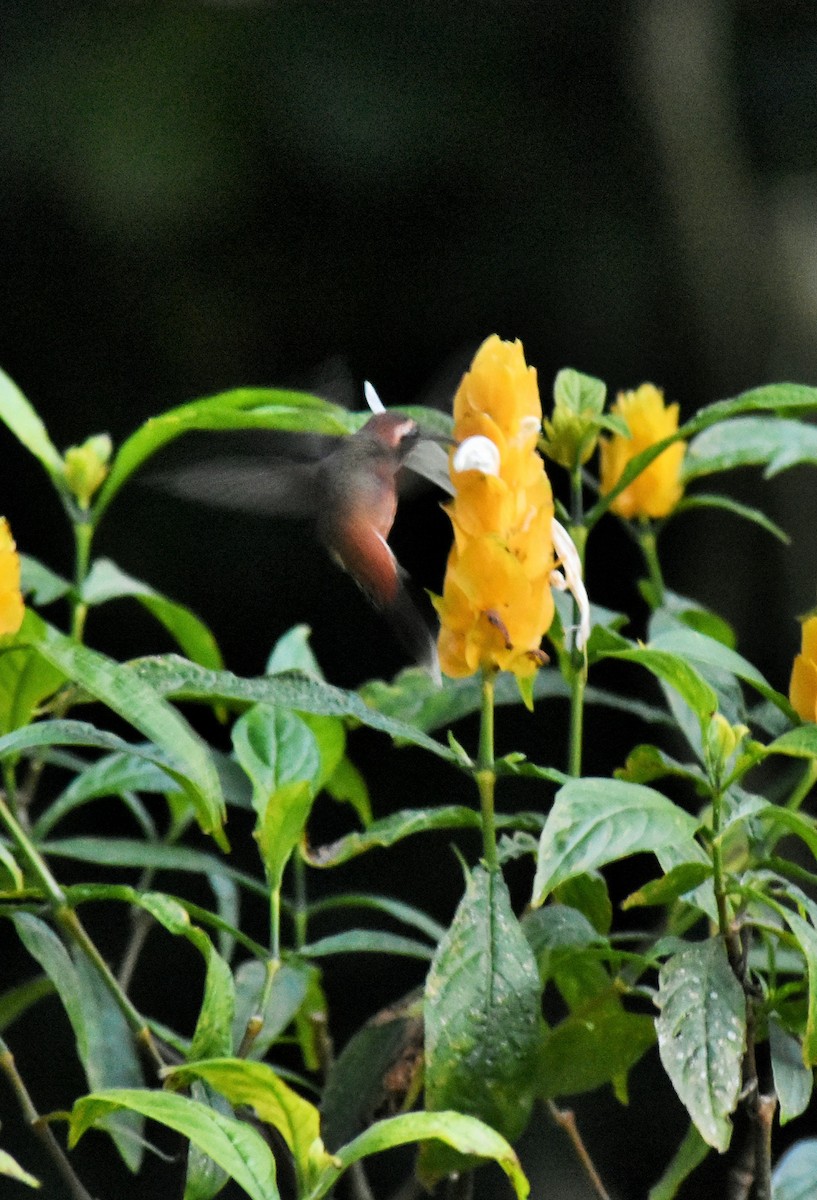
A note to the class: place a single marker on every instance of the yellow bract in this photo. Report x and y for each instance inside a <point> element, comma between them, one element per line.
<point>11,601</point>
<point>496,604</point>
<point>658,488</point>
<point>803,685</point>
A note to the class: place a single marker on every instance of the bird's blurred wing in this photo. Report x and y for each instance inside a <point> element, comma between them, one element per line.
<point>264,486</point>
<point>430,460</point>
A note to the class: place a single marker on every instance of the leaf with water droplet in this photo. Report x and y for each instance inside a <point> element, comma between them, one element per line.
<point>702,1035</point>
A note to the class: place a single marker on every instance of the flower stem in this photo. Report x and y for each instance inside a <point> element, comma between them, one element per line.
<point>83,536</point>
<point>649,548</point>
<point>485,772</point>
<point>578,680</point>
<point>300,916</point>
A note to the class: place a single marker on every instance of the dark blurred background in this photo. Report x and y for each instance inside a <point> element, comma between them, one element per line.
<point>195,197</point>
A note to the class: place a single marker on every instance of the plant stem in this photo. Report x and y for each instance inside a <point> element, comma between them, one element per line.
<point>39,1126</point>
<point>566,1120</point>
<point>32,857</point>
<point>83,536</point>
<point>485,772</point>
<point>649,547</point>
<point>578,680</point>
<point>275,923</point>
<point>300,914</point>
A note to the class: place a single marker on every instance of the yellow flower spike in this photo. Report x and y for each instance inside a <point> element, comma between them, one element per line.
<point>497,604</point>
<point>11,600</point>
<point>803,685</point>
<point>656,491</point>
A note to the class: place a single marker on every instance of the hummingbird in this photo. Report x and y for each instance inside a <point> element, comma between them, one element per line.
<point>350,495</point>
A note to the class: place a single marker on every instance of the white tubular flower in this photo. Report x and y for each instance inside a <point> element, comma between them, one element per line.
<point>477,453</point>
<point>571,581</point>
<point>372,399</point>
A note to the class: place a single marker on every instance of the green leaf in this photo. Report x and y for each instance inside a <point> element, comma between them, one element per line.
<point>11,1169</point>
<point>275,747</point>
<point>727,504</point>
<point>464,1134</point>
<point>280,756</point>
<point>106,581</point>
<point>292,652</point>
<point>403,824</point>
<point>406,913</point>
<point>172,676</point>
<point>40,582</point>
<point>597,821</point>
<point>414,697</point>
<point>17,1000</point>
<point>555,932</point>
<point>103,1040</point>
<point>347,786</point>
<point>243,408</point>
<point>702,1035</point>
<point>275,1103</point>
<point>234,1145</point>
<point>130,697</point>
<point>589,895</point>
<point>771,442</point>
<point>647,763</point>
<point>795,1174</point>
<point>708,652</point>
<point>689,1155</point>
<point>25,681</point>
<point>580,393</point>
<point>213,1036</point>
<point>131,852</point>
<point>806,936</point>
<point>109,776</point>
<point>793,1081</point>
<point>362,1081</point>
<point>367,941</point>
<point>676,883</point>
<point>17,413</point>
<point>286,995</point>
<point>483,979</point>
<point>675,671</point>
<point>598,1043</point>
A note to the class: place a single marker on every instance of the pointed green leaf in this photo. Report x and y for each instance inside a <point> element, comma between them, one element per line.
<point>793,1081</point>
<point>676,883</point>
<point>292,652</point>
<point>25,681</point>
<point>706,651</point>
<point>464,1134</point>
<point>104,1044</point>
<point>130,697</point>
<point>106,581</point>
<point>108,776</point>
<point>11,1169</point>
<point>597,821</point>
<point>275,747</point>
<point>275,1103</point>
<point>404,824</point>
<point>213,1036</point>
<point>131,852</point>
<point>745,511</point>
<point>806,936</point>
<point>361,1081</point>
<point>598,1043</point>
<point>172,676</point>
<point>702,1035</point>
<point>367,941</point>
<point>674,670</point>
<point>483,979</point>
<point>773,442</point>
<point>40,582</point>
<point>233,1144</point>
<point>20,417</point>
